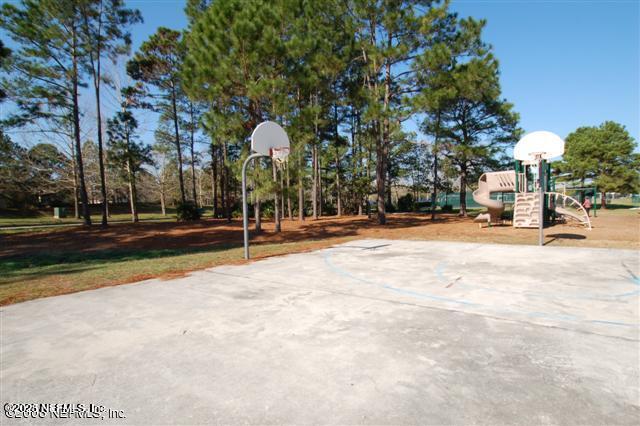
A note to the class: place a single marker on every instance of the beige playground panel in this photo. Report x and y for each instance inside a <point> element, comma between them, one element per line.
<point>527,204</point>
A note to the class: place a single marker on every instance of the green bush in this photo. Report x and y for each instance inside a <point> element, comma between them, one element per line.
<point>406,203</point>
<point>447,208</point>
<point>187,212</point>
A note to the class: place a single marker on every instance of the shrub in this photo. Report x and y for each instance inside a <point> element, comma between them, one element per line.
<point>447,208</point>
<point>406,203</point>
<point>187,212</point>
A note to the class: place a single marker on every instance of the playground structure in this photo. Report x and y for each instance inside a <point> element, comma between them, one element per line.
<point>531,192</point>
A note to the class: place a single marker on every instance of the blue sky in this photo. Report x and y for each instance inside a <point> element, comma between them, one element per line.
<point>564,63</point>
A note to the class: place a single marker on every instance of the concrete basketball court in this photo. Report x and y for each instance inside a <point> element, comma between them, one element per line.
<point>368,332</point>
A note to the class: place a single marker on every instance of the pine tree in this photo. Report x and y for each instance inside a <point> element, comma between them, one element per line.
<point>46,71</point>
<point>391,35</point>
<point>157,64</point>
<point>461,97</point>
<point>126,153</point>
<point>5,54</point>
<point>103,34</point>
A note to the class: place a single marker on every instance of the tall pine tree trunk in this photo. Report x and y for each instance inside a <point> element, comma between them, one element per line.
<point>300,197</point>
<point>226,194</point>
<point>314,185</point>
<point>383,150</point>
<point>76,130</point>
<point>369,160</point>
<point>96,72</point>
<point>320,198</point>
<point>355,194</point>
<point>301,168</point>
<point>288,182</point>
<point>281,192</point>
<point>133,195</point>
<point>223,191</point>
<point>434,194</point>
<point>193,154</point>
<point>76,203</point>
<point>223,194</point>
<point>177,142</point>
<point>338,189</point>
<point>200,195</point>
<point>463,191</point>
<point>103,181</point>
<point>194,193</point>
<point>163,204</point>
<point>214,181</point>
<point>258,214</point>
<point>276,201</point>
<point>389,190</point>
<point>381,174</point>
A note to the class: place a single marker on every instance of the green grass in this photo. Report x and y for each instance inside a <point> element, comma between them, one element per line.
<point>10,221</point>
<point>617,209</point>
<point>42,275</point>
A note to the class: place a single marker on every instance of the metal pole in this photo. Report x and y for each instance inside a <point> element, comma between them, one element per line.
<point>245,208</point>
<point>541,209</point>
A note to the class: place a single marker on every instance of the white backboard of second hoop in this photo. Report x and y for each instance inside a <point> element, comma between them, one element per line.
<point>268,135</point>
<point>545,144</point>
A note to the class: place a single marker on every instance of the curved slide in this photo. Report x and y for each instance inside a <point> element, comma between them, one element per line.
<point>493,182</point>
<point>570,208</point>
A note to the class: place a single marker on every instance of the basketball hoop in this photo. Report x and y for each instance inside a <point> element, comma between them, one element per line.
<point>535,148</point>
<point>267,140</point>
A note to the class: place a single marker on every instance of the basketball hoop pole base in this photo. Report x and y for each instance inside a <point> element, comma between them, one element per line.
<point>245,208</point>
<point>541,201</point>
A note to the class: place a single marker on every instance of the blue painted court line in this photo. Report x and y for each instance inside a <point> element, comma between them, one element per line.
<point>339,271</point>
<point>439,272</point>
<point>624,324</point>
<point>428,296</point>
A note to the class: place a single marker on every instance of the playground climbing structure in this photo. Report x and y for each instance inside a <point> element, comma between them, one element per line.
<point>526,207</point>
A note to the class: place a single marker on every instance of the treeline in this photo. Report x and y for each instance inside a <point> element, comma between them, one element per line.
<point>346,79</point>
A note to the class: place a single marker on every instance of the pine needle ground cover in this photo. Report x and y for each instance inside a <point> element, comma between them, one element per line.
<point>48,263</point>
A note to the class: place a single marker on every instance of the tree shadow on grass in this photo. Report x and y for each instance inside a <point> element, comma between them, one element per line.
<point>205,234</point>
<point>19,268</point>
<point>79,250</point>
<point>21,275</point>
<point>618,207</point>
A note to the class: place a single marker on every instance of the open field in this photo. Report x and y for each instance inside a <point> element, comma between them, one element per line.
<point>367,332</point>
<point>65,260</point>
<point>45,218</point>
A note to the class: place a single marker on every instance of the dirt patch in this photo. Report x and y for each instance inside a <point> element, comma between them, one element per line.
<point>615,231</point>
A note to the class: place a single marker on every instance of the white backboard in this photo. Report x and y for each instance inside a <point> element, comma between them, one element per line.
<point>268,135</point>
<point>545,144</point>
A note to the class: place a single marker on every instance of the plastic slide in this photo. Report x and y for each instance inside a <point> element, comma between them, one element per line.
<point>493,182</point>
<point>570,208</point>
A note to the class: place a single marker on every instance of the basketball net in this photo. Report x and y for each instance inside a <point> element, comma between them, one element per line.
<point>279,157</point>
